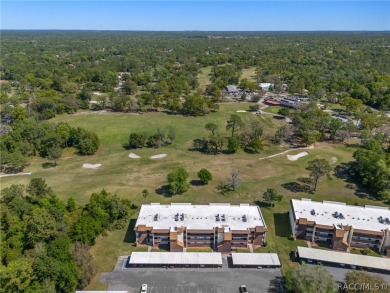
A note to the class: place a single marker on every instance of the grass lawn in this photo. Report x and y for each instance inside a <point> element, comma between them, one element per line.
<point>128,177</point>
<point>204,77</point>
<point>272,109</point>
<point>249,73</point>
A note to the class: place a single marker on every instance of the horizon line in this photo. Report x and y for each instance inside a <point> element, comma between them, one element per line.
<point>194,30</point>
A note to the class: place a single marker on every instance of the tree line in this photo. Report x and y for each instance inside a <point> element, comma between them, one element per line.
<point>24,138</point>
<point>45,241</point>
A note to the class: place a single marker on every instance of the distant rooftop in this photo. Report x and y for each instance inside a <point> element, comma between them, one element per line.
<point>232,88</point>
<point>176,258</point>
<point>223,215</point>
<point>371,218</point>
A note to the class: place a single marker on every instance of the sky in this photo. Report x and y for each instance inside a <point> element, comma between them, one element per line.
<point>196,15</point>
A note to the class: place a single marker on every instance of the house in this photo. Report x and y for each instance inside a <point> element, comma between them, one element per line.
<point>232,89</point>
<point>265,86</point>
<point>272,102</point>
<point>219,226</point>
<point>339,225</point>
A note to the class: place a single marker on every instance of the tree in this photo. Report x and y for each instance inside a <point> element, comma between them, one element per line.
<point>38,187</point>
<point>368,282</point>
<point>234,179</point>
<point>19,113</point>
<point>88,143</point>
<point>256,145</point>
<point>205,176</point>
<point>234,123</point>
<point>177,181</point>
<point>372,166</point>
<point>41,227</point>
<point>137,140</point>
<point>85,263</point>
<point>351,104</point>
<point>233,144</point>
<point>271,196</point>
<point>211,127</point>
<point>310,137</point>
<point>54,153</point>
<point>129,87</point>
<point>216,143</point>
<point>284,112</point>
<point>310,279</point>
<point>282,134</point>
<point>254,108</point>
<point>318,168</point>
<point>145,193</point>
<point>17,276</point>
<point>71,205</point>
<point>334,126</point>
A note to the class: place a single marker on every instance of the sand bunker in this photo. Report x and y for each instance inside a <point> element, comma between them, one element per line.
<point>158,156</point>
<point>296,157</point>
<point>240,111</point>
<point>91,166</point>
<point>134,156</point>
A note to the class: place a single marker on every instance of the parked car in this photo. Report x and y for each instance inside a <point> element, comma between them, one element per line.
<point>243,289</point>
<point>144,288</point>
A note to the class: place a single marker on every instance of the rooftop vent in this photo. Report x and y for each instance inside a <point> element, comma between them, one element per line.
<point>182,217</point>
<point>223,219</point>
<point>338,215</point>
<point>217,218</point>
<point>383,220</point>
<point>244,219</point>
<point>313,212</point>
<point>155,218</point>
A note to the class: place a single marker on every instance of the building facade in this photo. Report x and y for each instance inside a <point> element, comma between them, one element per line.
<point>341,226</point>
<point>221,227</point>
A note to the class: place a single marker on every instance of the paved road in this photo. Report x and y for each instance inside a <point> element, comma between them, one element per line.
<point>191,280</point>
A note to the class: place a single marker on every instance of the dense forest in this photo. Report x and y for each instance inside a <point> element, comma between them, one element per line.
<point>45,242</point>
<point>57,70</point>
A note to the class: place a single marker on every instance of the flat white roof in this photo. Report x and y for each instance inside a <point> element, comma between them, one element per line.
<point>256,259</point>
<point>338,213</point>
<point>380,263</point>
<point>176,258</point>
<point>235,217</point>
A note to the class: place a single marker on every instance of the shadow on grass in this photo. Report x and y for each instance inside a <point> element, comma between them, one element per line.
<point>297,187</point>
<point>196,182</point>
<point>344,171</point>
<point>48,165</point>
<point>262,204</point>
<point>130,233</point>
<point>282,224</point>
<point>164,191</point>
<point>305,180</point>
<point>293,256</point>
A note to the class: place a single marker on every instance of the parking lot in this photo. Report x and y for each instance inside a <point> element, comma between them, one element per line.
<point>191,280</point>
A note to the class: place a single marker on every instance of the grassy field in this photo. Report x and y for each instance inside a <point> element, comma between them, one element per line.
<point>249,73</point>
<point>128,177</point>
<point>204,77</point>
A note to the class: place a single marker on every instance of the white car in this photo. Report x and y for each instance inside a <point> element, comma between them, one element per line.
<point>144,288</point>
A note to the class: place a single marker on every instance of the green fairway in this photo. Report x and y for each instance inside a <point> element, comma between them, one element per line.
<point>128,177</point>
<point>204,77</point>
<point>249,73</point>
